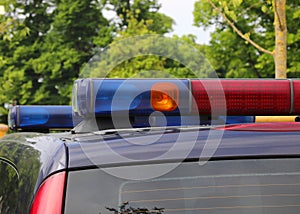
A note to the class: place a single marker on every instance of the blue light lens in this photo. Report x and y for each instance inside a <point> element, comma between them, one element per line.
<point>124,97</point>
<point>40,117</point>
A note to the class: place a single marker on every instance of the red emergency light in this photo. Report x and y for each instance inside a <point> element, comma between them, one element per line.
<point>247,97</point>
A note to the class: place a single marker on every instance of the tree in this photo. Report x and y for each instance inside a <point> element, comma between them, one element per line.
<point>68,46</point>
<point>139,52</point>
<point>255,22</point>
<point>142,10</point>
<point>39,67</point>
<point>18,46</point>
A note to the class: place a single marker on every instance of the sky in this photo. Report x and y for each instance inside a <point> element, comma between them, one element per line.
<point>182,13</point>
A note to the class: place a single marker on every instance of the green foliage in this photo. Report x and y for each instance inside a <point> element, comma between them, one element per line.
<point>39,66</point>
<point>293,38</point>
<point>19,46</point>
<point>150,56</point>
<point>68,45</point>
<point>139,52</point>
<point>230,55</point>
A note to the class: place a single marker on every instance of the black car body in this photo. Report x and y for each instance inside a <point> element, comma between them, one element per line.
<point>246,171</point>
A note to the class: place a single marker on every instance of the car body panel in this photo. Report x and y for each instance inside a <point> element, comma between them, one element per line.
<point>93,149</point>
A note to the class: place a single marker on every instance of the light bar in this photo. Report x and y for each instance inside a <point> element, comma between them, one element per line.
<point>177,101</point>
<point>40,117</point>
<point>173,97</point>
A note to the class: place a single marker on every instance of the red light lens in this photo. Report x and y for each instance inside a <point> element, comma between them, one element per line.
<point>243,97</point>
<point>49,198</point>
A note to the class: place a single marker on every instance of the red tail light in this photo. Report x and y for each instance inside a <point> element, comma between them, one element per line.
<point>244,97</point>
<point>49,198</point>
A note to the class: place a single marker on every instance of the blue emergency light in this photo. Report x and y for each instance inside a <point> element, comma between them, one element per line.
<point>40,117</point>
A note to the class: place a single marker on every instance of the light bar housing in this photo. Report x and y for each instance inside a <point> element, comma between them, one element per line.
<point>38,118</point>
<point>101,97</point>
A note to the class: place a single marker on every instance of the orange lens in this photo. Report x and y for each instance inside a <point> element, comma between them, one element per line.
<point>164,96</point>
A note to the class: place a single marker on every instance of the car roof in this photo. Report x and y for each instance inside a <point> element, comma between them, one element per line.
<point>178,144</point>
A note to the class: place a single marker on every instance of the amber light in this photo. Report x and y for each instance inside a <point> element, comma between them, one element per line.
<point>3,129</point>
<point>164,96</point>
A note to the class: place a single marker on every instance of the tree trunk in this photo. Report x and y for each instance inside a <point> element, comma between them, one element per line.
<point>280,55</point>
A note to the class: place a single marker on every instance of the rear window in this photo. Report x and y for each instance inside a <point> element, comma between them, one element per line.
<point>232,186</point>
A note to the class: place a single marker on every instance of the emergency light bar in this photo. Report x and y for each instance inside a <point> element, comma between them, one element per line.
<point>103,97</point>
<point>179,102</point>
<point>40,117</point>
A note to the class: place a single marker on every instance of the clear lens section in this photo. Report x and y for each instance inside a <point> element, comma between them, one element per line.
<point>12,117</point>
<point>83,97</point>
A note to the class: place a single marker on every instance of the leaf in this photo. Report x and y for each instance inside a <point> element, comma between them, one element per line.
<point>236,3</point>
<point>296,14</point>
<point>247,35</point>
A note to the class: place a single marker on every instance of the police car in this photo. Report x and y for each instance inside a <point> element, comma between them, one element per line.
<point>156,146</point>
